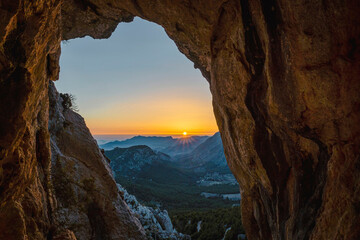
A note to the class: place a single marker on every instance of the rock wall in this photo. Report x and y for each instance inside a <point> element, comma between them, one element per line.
<point>88,202</point>
<point>156,222</point>
<point>285,82</point>
<point>29,48</point>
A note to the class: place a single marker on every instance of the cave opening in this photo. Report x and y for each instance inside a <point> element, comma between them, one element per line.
<point>281,72</point>
<point>151,113</point>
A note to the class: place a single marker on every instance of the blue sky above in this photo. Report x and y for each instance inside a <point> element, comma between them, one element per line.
<point>135,82</point>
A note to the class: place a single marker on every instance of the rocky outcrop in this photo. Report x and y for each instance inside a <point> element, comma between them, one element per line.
<point>131,161</point>
<point>285,81</point>
<point>156,222</point>
<point>88,201</point>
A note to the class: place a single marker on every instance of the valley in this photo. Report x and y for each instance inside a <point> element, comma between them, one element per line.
<point>188,177</point>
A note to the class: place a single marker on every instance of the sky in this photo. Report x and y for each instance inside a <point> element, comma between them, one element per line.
<point>136,83</point>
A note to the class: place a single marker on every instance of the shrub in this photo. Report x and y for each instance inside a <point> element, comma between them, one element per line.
<point>68,102</point>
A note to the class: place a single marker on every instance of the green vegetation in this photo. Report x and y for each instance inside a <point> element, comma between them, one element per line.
<point>187,207</point>
<point>69,102</point>
<point>177,198</point>
<point>166,184</point>
<point>213,224</point>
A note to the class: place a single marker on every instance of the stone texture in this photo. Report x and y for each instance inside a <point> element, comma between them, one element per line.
<point>29,43</point>
<point>65,235</point>
<point>156,222</point>
<point>285,82</point>
<point>88,201</point>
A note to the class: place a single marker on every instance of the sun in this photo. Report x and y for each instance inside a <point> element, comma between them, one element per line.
<point>184,133</point>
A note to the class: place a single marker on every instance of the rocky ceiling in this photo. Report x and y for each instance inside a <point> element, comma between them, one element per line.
<point>284,76</point>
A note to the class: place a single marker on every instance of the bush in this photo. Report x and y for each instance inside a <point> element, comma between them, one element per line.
<point>68,102</point>
<point>213,223</point>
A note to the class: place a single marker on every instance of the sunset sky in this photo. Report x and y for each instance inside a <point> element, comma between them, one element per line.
<point>136,82</point>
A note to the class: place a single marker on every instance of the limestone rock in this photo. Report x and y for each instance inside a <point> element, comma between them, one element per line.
<point>65,235</point>
<point>156,222</point>
<point>29,50</point>
<point>285,82</point>
<point>88,201</point>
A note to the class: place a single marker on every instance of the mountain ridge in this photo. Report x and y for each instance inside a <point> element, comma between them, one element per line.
<point>167,144</point>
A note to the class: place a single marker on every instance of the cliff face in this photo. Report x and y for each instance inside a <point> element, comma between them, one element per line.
<point>88,200</point>
<point>285,82</point>
<point>29,41</point>
<point>156,222</point>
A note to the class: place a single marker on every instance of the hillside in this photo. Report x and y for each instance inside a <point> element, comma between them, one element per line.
<point>185,145</point>
<point>156,143</point>
<point>168,145</point>
<point>141,162</point>
<point>206,157</point>
<point>157,179</point>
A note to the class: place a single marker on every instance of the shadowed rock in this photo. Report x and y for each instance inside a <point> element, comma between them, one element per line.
<point>285,82</point>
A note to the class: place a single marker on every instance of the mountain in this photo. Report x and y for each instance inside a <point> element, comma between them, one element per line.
<point>184,145</point>
<point>156,143</point>
<point>133,159</point>
<point>210,151</point>
<point>205,164</point>
<point>168,145</point>
<point>208,155</point>
<point>143,162</point>
<point>177,183</point>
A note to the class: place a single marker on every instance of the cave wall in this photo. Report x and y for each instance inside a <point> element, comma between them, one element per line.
<point>284,76</point>
<point>29,43</point>
<point>88,202</point>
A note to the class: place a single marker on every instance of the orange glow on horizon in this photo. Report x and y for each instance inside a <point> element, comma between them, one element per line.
<point>135,133</point>
<point>152,116</point>
<point>135,93</point>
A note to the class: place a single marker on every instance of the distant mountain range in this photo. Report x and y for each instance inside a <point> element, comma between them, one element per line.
<point>152,142</point>
<point>145,163</point>
<point>168,145</point>
<point>192,159</point>
<point>188,177</point>
<point>184,145</point>
<point>175,181</point>
<point>132,160</point>
<point>207,156</point>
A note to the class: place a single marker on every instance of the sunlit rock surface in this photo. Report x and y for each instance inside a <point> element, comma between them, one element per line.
<point>285,82</point>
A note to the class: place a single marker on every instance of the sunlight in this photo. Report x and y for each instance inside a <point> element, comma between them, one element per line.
<point>150,111</point>
<point>143,76</point>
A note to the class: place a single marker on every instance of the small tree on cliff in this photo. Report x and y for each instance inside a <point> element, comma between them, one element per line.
<point>69,102</point>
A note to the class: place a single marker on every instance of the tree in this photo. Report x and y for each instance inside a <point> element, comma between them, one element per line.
<point>68,102</point>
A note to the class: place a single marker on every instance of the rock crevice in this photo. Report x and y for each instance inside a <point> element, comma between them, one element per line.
<point>284,76</point>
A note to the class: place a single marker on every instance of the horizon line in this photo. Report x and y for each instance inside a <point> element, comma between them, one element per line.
<point>139,134</point>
